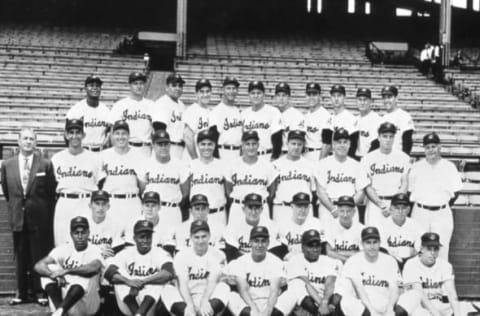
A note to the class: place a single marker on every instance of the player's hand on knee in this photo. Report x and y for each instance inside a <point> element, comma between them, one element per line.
<point>324,309</point>
<point>190,310</point>
<point>205,308</point>
<point>61,281</point>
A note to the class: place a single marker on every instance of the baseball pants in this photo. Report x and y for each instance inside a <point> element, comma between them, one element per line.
<point>170,216</point>
<point>65,210</point>
<point>146,150</point>
<point>352,306</point>
<point>411,302</point>
<point>220,217</point>
<point>125,210</point>
<point>292,297</point>
<point>374,216</point>
<point>176,151</point>
<point>236,304</point>
<point>229,155</point>
<point>313,156</point>
<point>221,292</point>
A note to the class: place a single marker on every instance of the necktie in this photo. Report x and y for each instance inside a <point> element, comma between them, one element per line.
<point>26,173</point>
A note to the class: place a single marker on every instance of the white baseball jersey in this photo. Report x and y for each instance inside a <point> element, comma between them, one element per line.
<point>345,119</point>
<point>403,121</point>
<point>431,278</point>
<point>159,237</point>
<point>180,236</point>
<point>400,241</point>
<point>209,179</point>
<point>197,269</point>
<point>121,171</point>
<point>291,119</point>
<point>169,112</point>
<point>76,173</point>
<point>316,272</point>
<point>386,170</point>
<point>344,240</point>
<point>250,178</point>
<point>298,174</point>
<point>95,121</point>
<point>433,185</point>
<point>134,265</point>
<point>257,274</point>
<point>341,178</point>
<point>265,121</point>
<point>315,123</point>
<point>68,257</point>
<point>197,118</point>
<point>367,127</point>
<point>107,232</point>
<point>377,277</point>
<point>165,178</point>
<point>292,232</point>
<point>229,124</point>
<point>138,115</point>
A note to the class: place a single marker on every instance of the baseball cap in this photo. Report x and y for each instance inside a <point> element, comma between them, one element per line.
<point>341,133</point>
<point>296,134</point>
<point>250,135</point>
<point>253,199</point>
<point>431,239</point>
<point>389,90</point>
<point>100,195</point>
<point>313,87</point>
<point>256,85</point>
<point>199,225</point>
<point>387,127</point>
<point>364,92</point>
<point>310,235</point>
<point>370,233</point>
<point>202,83</point>
<point>259,231</point>
<point>93,78</point>
<point>151,196</point>
<point>205,134</point>
<point>231,80</point>
<point>337,88</point>
<point>301,198</point>
<point>136,75</point>
<point>142,226</point>
<point>400,198</point>
<point>120,124</point>
<point>74,124</point>
<point>282,87</point>
<point>346,200</point>
<point>198,199</point>
<point>431,138</point>
<point>160,136</point>
<point>175,78</point>
<point>78,221</point>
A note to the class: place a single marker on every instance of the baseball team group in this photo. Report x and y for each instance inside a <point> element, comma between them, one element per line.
<point>157,208</point>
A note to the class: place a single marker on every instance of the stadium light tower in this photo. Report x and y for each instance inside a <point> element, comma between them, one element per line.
<point>445,29</point>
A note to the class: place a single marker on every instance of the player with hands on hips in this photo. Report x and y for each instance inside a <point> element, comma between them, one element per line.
<point>70,273</point>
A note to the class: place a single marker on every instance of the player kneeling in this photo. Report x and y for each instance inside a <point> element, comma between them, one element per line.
<point>199,269</point>
<point>71,273</point>
<point>140,275</point>
<point>311,278</point>
<point>432,282</point>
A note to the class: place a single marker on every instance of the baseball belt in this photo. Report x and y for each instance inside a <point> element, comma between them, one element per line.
<point>264,152</point>
<point>229,147</point>
<point>385,197</point>
<point>312,149</point>
<point>93,148</point>
<point>237,201</point>
<point>125,196</point>
<point>139,144</point>
<point>215,210</point>
<point>74,195</point>
<point>169,204</point>
<point>181,143</point>
<point>283,204</point>
<point>431,207</point>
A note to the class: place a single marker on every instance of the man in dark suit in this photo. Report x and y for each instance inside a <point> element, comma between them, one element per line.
<point>28,183</point>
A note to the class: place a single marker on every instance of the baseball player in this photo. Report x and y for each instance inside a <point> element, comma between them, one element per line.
<point>373,278</point>
<point>311,278</point>
<point>265,120</point>
<point>294,171</point>
<point>290,118</point>
<point>199,271</point>
<point>77,172</point>
<point>179,237</point>
<point>226,117</point>
<point>136,110</point>
<point>237,233</point>
<point>387,169</point>
<point>121,170</point>
<point>167,114</point>
<point>258,278</point>
<point>168,176</point>
<point>140,275</point>
<point>434,184</point>
<point>94,114</point>
<point>367,123</point>
<point>431,280</point>
<point>400,234</point>
<point>343,118</point>
<point>343,235</point>
<point>249,174</point>
<point>318,138</point>
<point>207,176</point>
<point>398,117</point>
<point>197,116</point>
<point>71,273</point>
<point>339,175</point>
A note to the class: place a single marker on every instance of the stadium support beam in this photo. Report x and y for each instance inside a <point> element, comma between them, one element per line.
<point>445,30</point>
<point>181,28</point>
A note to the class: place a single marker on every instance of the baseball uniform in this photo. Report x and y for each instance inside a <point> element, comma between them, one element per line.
<point>180,236</point>
<point>291,232</point>
<point>106,232</point>
<point>401,241</point>
<point>344,119</point>
<point>344,240</point>
<point>229,124</point>
<point>403,121</point>
<point>197,118</point>
<point>159,236</point>
<point>291,119</point>
<point>367,127</point>
<point>315,122</point>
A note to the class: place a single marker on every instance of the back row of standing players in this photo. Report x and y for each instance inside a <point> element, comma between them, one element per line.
<point>275,152</point>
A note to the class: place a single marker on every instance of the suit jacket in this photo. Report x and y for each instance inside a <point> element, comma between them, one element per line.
<point>36,205</point>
